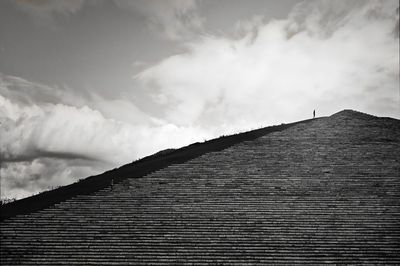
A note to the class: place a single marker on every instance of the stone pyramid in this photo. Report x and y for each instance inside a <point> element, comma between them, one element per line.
<point>322,191</point>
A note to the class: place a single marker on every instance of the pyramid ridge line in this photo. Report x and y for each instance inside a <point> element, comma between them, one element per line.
<point>95,183</point>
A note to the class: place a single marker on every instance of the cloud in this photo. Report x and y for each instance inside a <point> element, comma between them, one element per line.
<point>174,19</point>
<point>44,143</point>
<point>326,55</point>
<point>44,12</point>
<point>22,179</point>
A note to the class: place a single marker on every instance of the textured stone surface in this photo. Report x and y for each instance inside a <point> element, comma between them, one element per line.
<point>322,192</point>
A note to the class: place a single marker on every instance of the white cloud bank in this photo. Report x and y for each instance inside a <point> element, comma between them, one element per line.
<point>46,144</point>
<point>327,55</point>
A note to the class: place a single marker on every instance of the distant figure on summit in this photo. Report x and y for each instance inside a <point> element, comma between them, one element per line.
<point>313,114</point>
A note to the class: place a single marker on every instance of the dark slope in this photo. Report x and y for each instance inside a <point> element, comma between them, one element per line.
<point>136,169</point>
<point>322,192</point>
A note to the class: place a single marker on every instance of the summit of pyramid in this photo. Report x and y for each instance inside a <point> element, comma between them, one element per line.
<point>349,113</point>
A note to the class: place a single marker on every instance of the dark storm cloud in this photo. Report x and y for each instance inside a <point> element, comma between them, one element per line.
<point>38,154</point>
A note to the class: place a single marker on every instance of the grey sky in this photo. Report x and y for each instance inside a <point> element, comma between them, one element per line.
<point>103,44</point>
<point>94,48</point>
<point>86,86</point>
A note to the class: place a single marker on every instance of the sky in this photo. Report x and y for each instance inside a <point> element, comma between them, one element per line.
<point>87,86</point>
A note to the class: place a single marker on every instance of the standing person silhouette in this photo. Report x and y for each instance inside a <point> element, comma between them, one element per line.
<point>314,114</point>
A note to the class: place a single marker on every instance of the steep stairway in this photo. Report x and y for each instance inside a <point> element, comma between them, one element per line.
<point>324,192</point>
